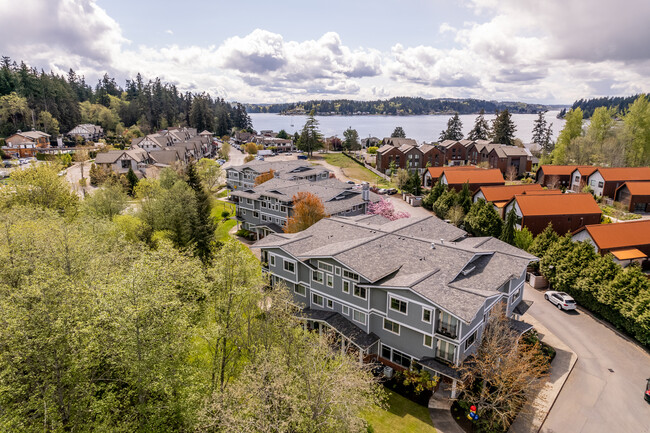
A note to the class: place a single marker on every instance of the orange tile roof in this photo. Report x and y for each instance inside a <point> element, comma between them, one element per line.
<point>557,204</point>
<point>586,170</point>
<point>559,170</point>
<point>545,192</point>
<point>620,235</point>
<point>637,188</point>
<point>628,254</point>
<point>625,173</point>
<point>497,193</point>
<point>436,172</point>
<point>480,176</point>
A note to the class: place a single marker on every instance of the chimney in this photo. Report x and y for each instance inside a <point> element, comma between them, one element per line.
<point>365,191</point>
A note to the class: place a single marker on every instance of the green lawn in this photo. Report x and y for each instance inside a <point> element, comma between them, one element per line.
<point>353,170</point>
<point>401,416</point>
<point>221,233</point>
<point>218,206</point>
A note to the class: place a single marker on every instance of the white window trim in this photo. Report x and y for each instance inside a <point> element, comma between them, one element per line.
<point>345,310</point>
<point>295,287</point>
<point>430,315</point>
<point>337,270</point>
<point>316,303</point>
<point>284,261</point>
<point>424,341</point>
<point>271,259</point>
<point>359,297</point>
<point>383,325</point>
<point>364,315</point>
<point>322,277</point>
<point>328,302</point>
<point>390,305</point>
<point>325,267</point>
<point>343,286</point>
<point>329,280</point>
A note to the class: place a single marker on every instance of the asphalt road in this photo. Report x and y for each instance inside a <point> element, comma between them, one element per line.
<point>595,399</point>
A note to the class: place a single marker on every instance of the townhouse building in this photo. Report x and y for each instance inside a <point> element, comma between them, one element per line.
<point>414,289</point>
<point>243,176</point>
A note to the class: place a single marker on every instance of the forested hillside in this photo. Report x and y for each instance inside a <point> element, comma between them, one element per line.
<point>55,103</point>
<point>397,106</point>
<point>618,103</point>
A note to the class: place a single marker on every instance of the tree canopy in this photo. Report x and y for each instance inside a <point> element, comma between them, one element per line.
<point>308,209</point>
<point>454,129</point>
<point>503,129</point>
<point>310,138</point>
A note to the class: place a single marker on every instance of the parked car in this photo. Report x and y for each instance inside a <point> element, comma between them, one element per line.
<point>351,182</point>
<point>391,191</point>
<point>560,299</point>
<point>382,191</point>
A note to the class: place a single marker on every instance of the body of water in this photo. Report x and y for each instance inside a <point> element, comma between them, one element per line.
<point>421,128</point>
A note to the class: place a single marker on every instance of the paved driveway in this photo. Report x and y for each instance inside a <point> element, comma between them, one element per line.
<point>595,399</point>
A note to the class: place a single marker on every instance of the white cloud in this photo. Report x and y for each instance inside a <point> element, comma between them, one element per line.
<point>169,32</point>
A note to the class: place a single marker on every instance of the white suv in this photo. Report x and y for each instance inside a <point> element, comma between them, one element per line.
<point>561,300</point>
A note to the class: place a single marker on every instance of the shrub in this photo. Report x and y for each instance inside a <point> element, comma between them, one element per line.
<point>372,150</point>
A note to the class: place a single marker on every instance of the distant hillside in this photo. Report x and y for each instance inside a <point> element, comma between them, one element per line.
<point>619,103</point>
<point>399,106</point>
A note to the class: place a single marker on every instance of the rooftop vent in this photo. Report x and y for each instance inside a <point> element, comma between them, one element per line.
<point>468,270</point>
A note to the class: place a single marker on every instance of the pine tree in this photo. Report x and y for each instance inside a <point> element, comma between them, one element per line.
<point>454,129</point>
<point>203,224</point>
<point>398,133</point>
<point>508,231</point>
<point>310,137</point>
<point>503,129</point>
<point>131,178</point>
<point>435,193</point>
<point>465,198</point>
<point>483,220</point>
<point>481,129</point>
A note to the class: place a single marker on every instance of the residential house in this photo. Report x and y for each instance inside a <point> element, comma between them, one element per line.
<point>626,241</point>
<point>243,176</point>
<point>429,302</point>
<point>500,195</point>
<point>555,176</point>
<point>432,156</point>
<point>455,151</point>
<point>413,157</point>
<point>567,212</point>
<point>265,208</point>
<point>634,195</point>
<point>120,161</point>
<point>580,175</point>
<point>476,178</point>
<point>26,144</point>
<point>398,141</point>
<point>432,174</point>
<point>387,155</point>
<point>605,181</point>
<point>87,131</point>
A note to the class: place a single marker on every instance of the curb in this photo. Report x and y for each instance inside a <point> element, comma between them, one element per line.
<point>575,361</point>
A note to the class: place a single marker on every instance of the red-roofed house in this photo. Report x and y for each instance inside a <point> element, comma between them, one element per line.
<point>499,195</point>
<point>605,181</point>
<point>432,174</point>
<point>476,178</point>
<point>627,241</point>
<point>555,176</point>
<point>567,212</point>
<point>579,177</point>
<point>634,195</point>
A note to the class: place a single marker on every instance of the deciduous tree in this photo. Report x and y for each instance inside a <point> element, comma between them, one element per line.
<point>308,209</point>
<point>386,209</point>
<point>266,176</point>
<point>351,141</point>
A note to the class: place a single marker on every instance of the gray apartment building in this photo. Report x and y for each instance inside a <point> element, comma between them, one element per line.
<point>244,175</point>
<point>265,208</point>
<point>414,289</point>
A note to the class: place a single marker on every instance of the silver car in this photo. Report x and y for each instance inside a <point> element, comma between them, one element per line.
<point>561,300</point>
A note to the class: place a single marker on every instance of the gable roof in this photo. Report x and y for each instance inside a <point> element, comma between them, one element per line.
<point>506,192</point>
<point>557,204</point>
<point>108,157</point>
<point>490,175</point>
<point>624,173</point>
<point>637,188</point>
<point>559,170</point>
<point>619,235</point>
<point>436,172</point>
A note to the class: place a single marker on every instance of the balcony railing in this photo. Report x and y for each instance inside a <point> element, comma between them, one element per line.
<point>447,330</point>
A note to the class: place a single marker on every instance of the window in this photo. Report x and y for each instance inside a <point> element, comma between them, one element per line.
<point>401,358</point>
<point>272,257</point>
<point>447,325</point>
<point>350,275</point>
<point>300,289</point>
<point>263,204</point>
<point>256,214</point>
<point>326,267</point>
<point>600,184</point>
<point>317,276</point>
<point>249,201</point>
<point>126,163</point>
<point>289,267</point>
<point>428,341</point>
<point>516,294</point>
<point>337,271</point>
<point>446,350</point>
<point>358,316</point>
<point>346,286</point>
<point>330,280</point>
<point>360,292</point>
<point>391,326</point>
<point>330,304</point>
<point>346,310</point>
<point>470,340</point>
<point>317,299</point>
<point>398,305</point>
<point>385,352</point>
<point>283,208</point>
<point>426,315</point>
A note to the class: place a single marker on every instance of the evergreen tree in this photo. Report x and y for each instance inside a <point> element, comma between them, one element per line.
<point>414,183</point>
<point>438,189</point>
<point>481,129</point>
<point>398,133</point>
<point>203,225</point>
<point>351,141</point>
<point>503,129</point>
<point>310,137</point>
<point>508,231</point>
<point>447,200</point>
<point>465,198</point>
<point>543,241</point>
<point>132,179</point>
<point>483,220</point>
<point>454,129</point>
<point>542,133</point>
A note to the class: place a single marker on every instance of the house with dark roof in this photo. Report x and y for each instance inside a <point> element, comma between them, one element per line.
<point>120,161</point>
<point>265,208</point>
<point>243,176</point>
<point>87,131</point>
<point>634,195</point>
<point>626,241</point>
<point>605,181</point>
<point>567,212</point>
<point>475,177</point>
<point>455,151</point>
<point>429,303</point>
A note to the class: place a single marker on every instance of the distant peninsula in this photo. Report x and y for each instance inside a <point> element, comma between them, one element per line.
<point>398,106</point>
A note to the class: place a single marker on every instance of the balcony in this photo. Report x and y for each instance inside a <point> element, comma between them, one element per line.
<point>448,330</point>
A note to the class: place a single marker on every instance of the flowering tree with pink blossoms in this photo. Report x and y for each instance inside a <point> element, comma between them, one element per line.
<point>386,209</point>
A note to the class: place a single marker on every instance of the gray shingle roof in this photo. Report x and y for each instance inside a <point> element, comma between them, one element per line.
<point>348,329</point>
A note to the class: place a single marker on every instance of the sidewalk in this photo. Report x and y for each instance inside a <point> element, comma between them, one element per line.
<point>562,365</point>
<point>440,413</point>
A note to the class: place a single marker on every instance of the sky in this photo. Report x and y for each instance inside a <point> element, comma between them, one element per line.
<point>261,51</point>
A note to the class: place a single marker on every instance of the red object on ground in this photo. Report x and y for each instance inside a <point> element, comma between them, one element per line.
<point>472,408</point>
